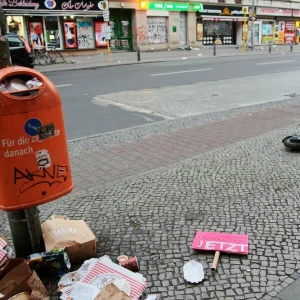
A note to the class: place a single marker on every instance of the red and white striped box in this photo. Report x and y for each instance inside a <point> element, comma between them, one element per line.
<point>105,269</point>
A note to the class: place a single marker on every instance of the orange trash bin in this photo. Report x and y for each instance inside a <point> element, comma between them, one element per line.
<point>34,160</point>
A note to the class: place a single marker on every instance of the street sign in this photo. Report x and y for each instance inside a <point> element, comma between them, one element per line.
<point>245,10</point>
<point>107,32</point>
<point>103,5</point>
<point>106,15</point>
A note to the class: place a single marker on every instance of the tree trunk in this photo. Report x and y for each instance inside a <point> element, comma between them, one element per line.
<point>4,48</point>
<point>4,54</point>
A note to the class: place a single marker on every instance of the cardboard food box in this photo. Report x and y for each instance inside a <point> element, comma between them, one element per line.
<point>75,236</point>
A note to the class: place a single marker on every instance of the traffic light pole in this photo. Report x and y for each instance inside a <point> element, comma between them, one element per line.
<point>4,49</point>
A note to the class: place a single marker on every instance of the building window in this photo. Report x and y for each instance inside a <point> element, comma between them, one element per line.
<point>85,33</point>
<point>53,36</point>
<point>36,32</point>
<point>15,25</point>
<point>157,30</point>
<point>238,1</point>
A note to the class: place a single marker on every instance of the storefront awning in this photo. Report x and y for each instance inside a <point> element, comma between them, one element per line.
<point>220,18</point>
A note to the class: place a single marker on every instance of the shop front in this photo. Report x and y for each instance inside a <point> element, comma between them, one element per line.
<point>222,25</point>
<point>167,25</point>
<point>276,26</point>
<point>68,25</point>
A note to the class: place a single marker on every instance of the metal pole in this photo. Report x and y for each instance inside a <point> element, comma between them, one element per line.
<point>26,231</point>
<point>244,34</point>
<point>252,28</point>
<point>138,52</point>
<point>270,47</point>
<point>291,46</point>
<point>215,49</point>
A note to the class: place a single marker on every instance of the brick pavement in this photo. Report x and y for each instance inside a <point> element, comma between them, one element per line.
<point>108,164</point>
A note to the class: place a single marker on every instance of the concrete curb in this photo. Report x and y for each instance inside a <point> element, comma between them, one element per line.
<point>154,61</point>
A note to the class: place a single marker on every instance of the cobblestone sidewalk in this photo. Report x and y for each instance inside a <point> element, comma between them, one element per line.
<point>227,173</point>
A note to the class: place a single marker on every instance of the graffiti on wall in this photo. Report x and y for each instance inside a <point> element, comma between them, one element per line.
<point>85,33</point>
<point>142,33</point>
<point>157,30</point>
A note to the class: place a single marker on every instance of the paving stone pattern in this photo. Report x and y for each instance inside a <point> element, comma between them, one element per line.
<point>110,163</point>
<point>232,175</point>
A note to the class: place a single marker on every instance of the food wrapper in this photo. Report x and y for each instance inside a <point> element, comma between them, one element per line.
<point>56,260</point>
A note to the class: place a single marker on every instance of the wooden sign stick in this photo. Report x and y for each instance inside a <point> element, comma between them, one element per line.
<point>215,261</point>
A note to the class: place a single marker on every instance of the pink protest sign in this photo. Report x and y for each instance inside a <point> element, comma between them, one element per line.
<point>223,242</point>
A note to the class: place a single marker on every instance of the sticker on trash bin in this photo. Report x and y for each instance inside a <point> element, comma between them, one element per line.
<point>31,126</point>
<point>43,159</point>
<point>46,131</point>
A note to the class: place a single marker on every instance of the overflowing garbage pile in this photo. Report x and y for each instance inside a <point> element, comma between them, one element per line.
<point>66,242</point>
<point>20,84</point>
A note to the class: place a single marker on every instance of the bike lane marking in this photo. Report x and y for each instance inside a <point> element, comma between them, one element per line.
<point>179,72</point>
<point>275,62</point>
<point>63,85</point>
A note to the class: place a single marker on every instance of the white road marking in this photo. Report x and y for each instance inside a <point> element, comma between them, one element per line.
<point>276,62</point>
<point>171,73</point>
<point>63,85</point>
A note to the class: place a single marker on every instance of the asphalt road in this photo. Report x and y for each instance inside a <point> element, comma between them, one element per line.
<point>107,99</point>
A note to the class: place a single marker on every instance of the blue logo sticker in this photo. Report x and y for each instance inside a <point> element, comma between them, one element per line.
<point>50,4</point>
<point>31,126</point>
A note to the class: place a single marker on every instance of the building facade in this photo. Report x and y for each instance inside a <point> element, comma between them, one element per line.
<point>81,25</point>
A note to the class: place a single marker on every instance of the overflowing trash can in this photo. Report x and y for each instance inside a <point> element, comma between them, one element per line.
<point>34,161</point>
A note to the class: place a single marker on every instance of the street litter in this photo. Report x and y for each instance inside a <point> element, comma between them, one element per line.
<point>56,260</point>
<point>193,271</point>
<point>5,252</point>
<point>122,258</point>
<point>130,263</point>
<point>113,291</point>
<point>19,84</point>
<point>17,280</point>
<point>75,236</point>
<point>220,242</point>
<point>34,82</point>
<point>98,273</point>
<point>153,297</point>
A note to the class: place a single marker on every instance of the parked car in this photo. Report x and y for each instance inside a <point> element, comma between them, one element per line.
<point>19,51</point>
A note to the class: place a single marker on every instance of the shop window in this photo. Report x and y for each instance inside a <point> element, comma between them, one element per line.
<point>218,32</point>
<point>199,31</point>
<point>267,34</point>
<point>15,25</point>
<point>85,33</point>
<point>36,33</point>
<point>157,30</point>
<point>217,28</point>
<point>70,34</point>
<point>53,36</point>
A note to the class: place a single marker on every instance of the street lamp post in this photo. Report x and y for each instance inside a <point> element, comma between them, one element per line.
<point>252,26</point>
